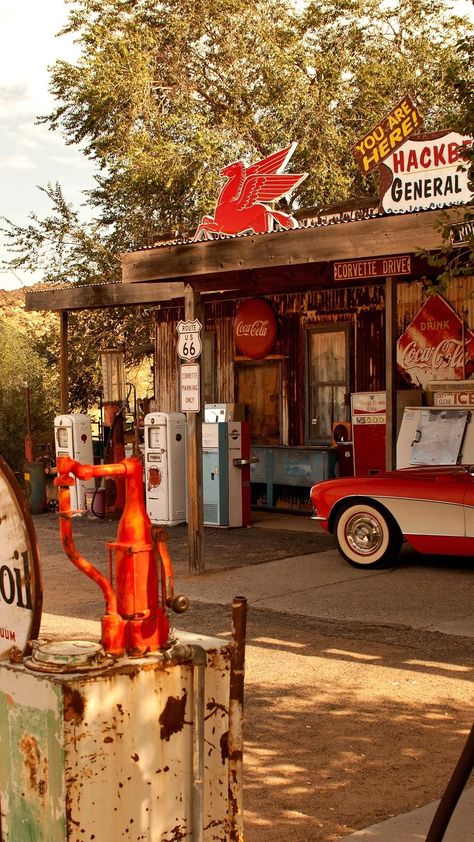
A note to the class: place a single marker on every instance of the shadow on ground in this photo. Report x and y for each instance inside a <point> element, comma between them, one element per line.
<point>223,548</point>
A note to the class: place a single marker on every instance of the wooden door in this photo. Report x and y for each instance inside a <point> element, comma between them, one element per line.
<point>259,388</point>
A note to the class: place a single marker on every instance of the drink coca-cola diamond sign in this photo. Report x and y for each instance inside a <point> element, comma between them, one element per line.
<point>255,329</point>
<point>436,345</point>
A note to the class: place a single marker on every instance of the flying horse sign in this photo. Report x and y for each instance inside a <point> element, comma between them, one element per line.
<point>241,205</point>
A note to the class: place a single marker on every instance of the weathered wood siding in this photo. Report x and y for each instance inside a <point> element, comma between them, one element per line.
<point>361,307</point>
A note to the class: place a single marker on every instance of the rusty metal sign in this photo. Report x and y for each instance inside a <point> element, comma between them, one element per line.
<point>436,345</point>
<point>403,120</point>
<point>377,267</point>
<point>427,172</point>
<point>20,576</point>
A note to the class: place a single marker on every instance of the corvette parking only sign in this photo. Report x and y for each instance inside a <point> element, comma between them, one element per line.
<point>190,387</point>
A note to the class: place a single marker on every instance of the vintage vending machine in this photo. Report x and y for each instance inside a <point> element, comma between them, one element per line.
<point>226,473</point>
<point>368,432</point>
<point>73,437</point>
<point>165,467</point>
<point>435,435</point>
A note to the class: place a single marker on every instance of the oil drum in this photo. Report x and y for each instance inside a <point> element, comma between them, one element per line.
<point>35,487</point>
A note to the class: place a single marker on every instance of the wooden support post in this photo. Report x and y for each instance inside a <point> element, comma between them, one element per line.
<point>63,363</point>
<point>193,309</point>
<point>390,373</point>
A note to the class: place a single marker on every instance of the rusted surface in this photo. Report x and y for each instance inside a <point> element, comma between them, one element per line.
<point>35,766</point>
<point>236,712</point>
<point>177,835</point>
<point>172,718</point>
<point>74,705</point>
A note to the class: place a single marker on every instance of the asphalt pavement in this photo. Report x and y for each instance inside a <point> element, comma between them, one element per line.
<point>323,586</point>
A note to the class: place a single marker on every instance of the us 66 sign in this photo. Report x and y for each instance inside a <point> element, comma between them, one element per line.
<point>189,339</point>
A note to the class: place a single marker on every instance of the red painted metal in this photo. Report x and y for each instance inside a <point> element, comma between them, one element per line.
<point>438,493</point>
<point>241,207</point>
<point>136,619</point>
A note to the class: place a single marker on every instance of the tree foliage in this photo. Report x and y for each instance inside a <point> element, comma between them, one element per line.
<point>166,92</point>
<point>21,366</point>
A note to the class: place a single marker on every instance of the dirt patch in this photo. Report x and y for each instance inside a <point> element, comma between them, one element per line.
<point>345,725</point>
<point>223,548</point>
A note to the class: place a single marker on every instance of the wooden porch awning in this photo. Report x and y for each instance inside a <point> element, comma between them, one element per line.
<point>217,259</point>
<point>161,273</point>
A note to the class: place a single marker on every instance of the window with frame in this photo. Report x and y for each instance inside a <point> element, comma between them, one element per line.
<point>327,381</point>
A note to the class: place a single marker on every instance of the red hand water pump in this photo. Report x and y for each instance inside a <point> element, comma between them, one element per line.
<point>140,586</point>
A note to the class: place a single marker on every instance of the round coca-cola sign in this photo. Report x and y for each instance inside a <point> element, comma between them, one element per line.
<point>255,328</point>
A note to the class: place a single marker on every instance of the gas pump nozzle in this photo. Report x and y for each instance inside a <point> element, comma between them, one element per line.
<point>136,619</point>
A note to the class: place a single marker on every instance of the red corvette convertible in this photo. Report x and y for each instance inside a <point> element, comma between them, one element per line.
<point>431,507</point>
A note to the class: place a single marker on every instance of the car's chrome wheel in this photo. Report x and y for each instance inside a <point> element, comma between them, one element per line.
<point>367,536</point>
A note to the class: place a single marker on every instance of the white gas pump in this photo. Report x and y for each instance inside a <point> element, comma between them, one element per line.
<point>226,473</point>
<point>165,467</point>
<point>73,437</point>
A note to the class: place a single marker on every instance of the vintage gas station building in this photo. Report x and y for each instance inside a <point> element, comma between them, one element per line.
<point>317,330</point>
<point>343,287</point>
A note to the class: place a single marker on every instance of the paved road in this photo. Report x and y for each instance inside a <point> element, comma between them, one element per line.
<point>420,592</point>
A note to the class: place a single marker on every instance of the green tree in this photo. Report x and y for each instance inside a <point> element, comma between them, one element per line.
<point>165,93</point>
<point>21,366</point>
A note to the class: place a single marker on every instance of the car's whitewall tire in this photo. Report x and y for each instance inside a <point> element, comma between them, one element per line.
<point>366,535</point>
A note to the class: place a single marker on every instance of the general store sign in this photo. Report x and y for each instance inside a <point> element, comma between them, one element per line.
<point>379,267</point>
<point>20,582</point>
<point>436,345</point>
<point>426,173</point>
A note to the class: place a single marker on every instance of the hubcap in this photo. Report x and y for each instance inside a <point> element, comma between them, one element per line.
<point>364,534</point>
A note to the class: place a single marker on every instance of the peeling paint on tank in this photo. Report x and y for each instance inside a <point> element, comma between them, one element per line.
<point>35,766</point>
<point>172,717</point>
<point>224,746</point>
<point>74,705</point>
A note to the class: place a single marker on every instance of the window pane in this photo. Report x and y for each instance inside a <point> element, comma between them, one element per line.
<point>327,383</point>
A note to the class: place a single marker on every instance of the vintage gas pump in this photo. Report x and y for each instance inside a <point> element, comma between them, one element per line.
<point>139,735</point>
<point>136,620</point>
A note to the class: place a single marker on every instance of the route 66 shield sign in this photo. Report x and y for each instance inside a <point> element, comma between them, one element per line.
<point>189,339</point>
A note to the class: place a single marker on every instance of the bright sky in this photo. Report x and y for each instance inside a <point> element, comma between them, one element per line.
<point>30,155</point>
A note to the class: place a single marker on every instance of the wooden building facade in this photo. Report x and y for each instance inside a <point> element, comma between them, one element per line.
<point>335,337</point>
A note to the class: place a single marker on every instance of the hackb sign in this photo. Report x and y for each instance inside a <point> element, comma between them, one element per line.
<point>425,173</point>
<point>417,172</point>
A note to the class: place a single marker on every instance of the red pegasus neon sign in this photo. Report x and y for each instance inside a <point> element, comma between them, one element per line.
<point>241,207</point>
